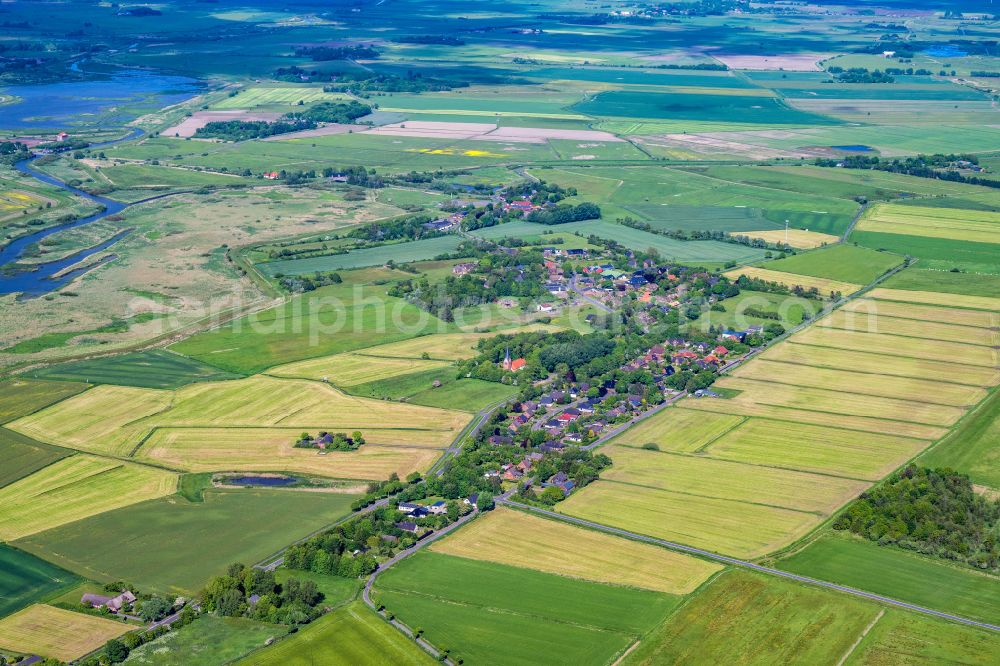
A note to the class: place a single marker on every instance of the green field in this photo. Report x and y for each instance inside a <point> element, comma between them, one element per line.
<point>936,253</point>
<point>900,638</point>
<point>845,263</point>
<point>895,573</point>
<point>20,397</point>
<point>748,618</point>
<point>349,636</point>
<point>23,456</point>
<point>324,322</point>
<point>400,253</point>
<point>738,313</point>
<point>969,284</point>
<point>470,606</point>
<point>175,546</point>
<point>156,368</point>
<point>695,107</point>
<point>973,447</point>
<point>25,579</point>
<point>470,395</point>
<point>209,641</point>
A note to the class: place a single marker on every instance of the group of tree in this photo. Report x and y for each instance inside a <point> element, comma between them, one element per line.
<point>931,511</point>
<point>565,213</point>
<point>296,121</point>
<point>938,166</point>
<point>407,227</point>
<point>860,75</point>
<point>338,441</point>
<point>254,593</point>
<point>13,151</point>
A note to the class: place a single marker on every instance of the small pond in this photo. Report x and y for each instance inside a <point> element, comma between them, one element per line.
<point>854,149</point>
<point>265,481</point>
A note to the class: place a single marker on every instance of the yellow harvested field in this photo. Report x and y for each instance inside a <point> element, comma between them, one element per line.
<point>56,633</point>
<point>246,407</point>
<point>519,539</point>
<point>904,388</point>
<point>441,346</point>
<point>937,298</point>
<point>74,488</point>
<point>839,402</point>
<point>354,369</point>
<point>738,529</point>
<point>860,455</point>
<point>823,285</point>
<point>98,420</point>
<point>981,318</point>
<point>864,322</point>
<point>797,238</point>
<point>859,423</point>
<point>897,366</point>
<point>897,345</point>
<point>967,225</point>
<point>269,449</point>
<point>678,430</point>
<point>706,477</point>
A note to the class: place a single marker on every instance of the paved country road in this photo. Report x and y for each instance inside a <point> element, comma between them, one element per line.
<point>707,554</point>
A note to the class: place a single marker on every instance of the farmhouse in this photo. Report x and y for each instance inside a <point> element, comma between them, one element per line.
<point>463,268</point>
<point>113,604</point>
<point>438,508</point>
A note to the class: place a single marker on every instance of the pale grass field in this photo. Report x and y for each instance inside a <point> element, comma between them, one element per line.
<point>967,225</point>
<point>823,285</point>
<point>929,330</point>
<point>74,488</point>
<point>56,633</point>
<point>707,477</point>
<point>937,298</point>
<point>441,346</point>
<point>282,95</point>
<point>840,402</point>
<point>887,386</point>
<point>897,345</point>
<point>266,449</point>
<point>913,311</point>
<point>859,423</point>
<point>242,416</point>
<point>797,238</point>
<point>810,448</point>
<point>871,361</point>
<point>519,539</point>
<point>733,528</point>
<point>678,430</point>
<point>354,369</point>
<point>97,420</point>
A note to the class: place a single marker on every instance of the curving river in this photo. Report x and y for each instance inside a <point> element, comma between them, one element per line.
<point>47,276</point>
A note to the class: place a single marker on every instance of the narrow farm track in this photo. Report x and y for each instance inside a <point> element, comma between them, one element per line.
<point>724,559</point>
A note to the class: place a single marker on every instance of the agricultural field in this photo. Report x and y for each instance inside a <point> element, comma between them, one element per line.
<point>913,313</point>
<point>679,430</point>
<point>843,263</point>
<point>569,620</point>
<point>740,311</point>
<point>20,397</point>
<point>156,368</point>
<point>963,225</point>
<point>75,488</point>
<point>247,424</point>
<point>968,284</point>
<point>897,345</point>
<point>351,369</point>
<point>225,528</point>
<point>22,456</point>
<point>973,447</point>
<point>25,579</point>
<point>349,636</point>
<point>747,618</point>
<point>57,633</point>
<point>401,253</point>
<point>205,642</point>
<point>518,539</point>
<point>825,287</point>
<point>967,301</point>
<point>881,323</point>
<point>911,577</point>
<point>275,96</point>
<point>901,638</point>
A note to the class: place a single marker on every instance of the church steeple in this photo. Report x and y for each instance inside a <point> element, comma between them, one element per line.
<point>506,360</point>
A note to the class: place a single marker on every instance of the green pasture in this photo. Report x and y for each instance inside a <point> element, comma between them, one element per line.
<point>401,253</point>
<point>973,446</point>
<point>936,253</point>
<point>140,181</point>
<point>748,618</point>
<point>845,263</point>
<point>23,456</point>
<point>471,606</point>
<point>174,546</point>
<point>920,279</point>
<point>156,368</point>
<point>349,636</point>
<point>791,310</point>
<point>642,77</point>
<point>911,577</point>
<point>25,579</point>
<point>20,397</point>
<point>208,641</point>
<point>470,395</point>
<point>697,107</point>
<point>325,321</point>
<point>909,638</point>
